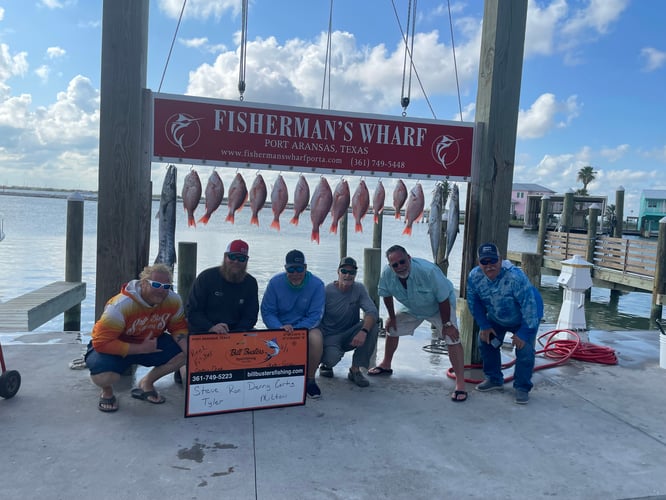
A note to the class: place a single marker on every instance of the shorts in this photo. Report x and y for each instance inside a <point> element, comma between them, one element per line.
<point>407,323</point>
<point>99,362</point>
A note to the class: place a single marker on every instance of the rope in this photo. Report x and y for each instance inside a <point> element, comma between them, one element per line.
<point>560,351</point>
<point>166,64</point>
<point>243,47</point>
<point>327,65</point>
<point>455,64</point>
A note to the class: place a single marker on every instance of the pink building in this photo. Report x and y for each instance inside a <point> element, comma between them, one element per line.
<point>519,194</point>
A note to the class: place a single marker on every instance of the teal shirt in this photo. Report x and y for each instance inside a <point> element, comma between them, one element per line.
<point>426,288</point>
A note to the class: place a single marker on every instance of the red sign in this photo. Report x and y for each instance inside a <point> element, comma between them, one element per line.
<point>240,134</point>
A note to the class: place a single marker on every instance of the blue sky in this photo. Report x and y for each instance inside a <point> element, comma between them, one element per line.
<point>591,93</point>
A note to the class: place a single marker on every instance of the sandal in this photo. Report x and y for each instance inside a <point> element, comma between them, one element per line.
<point>107,405</point>
<point>455,397</point>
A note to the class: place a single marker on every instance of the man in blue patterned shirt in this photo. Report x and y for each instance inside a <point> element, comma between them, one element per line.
<point>502,299</point>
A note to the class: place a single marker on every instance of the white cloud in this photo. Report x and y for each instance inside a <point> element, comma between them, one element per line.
<point>2,13</point>
<point>43,73</point>
<point>55,52</point>
<point>653,58</point>
<point>12,65</point>
<point>541,117</point>
<point>616,153</point>
<point>597,16</point>
<point>542,25</point>
<point>200,9</point>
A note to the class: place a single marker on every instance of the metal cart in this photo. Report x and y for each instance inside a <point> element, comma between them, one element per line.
<point>10,381</point>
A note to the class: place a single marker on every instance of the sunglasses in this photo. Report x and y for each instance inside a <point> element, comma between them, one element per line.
<point>295,269</point>
<point>401,262</point>
<point>157,284</point>
<point>237,256</point>
<point>348,271</point>
<point>485,262</point>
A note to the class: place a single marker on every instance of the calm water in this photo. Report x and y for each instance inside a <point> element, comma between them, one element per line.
<point>33,254</point>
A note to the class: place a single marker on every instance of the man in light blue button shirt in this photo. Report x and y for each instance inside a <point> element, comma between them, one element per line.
<point>426,295</point>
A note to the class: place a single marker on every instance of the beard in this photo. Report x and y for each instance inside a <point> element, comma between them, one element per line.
<point>233,275</point>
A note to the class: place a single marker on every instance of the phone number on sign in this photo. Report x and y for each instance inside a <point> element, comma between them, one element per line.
<point>369,163</point>
<point>210,377</point>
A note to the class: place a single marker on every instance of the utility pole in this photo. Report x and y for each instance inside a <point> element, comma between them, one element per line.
<point>123,208</point>
<point>497,102</point>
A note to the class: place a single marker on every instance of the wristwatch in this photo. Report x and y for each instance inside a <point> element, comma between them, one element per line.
<point>447,324</point>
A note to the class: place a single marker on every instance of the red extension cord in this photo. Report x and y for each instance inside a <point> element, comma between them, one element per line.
<point>560,351</point>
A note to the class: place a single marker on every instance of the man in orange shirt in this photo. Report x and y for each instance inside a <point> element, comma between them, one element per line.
<point>144,325</point>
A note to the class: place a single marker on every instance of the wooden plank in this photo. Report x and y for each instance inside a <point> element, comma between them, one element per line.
<point>33,309</point>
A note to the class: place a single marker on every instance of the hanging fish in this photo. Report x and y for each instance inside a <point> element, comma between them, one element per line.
<point>415,205</point>
<point>301,198</point>
<point>279,199</point>
<point>453,224</point>
<point>435,217</point>
<point>167,219</point>
<point>360,204</point>
<point>237,197</point>
<point>399,197</point>
<point>258,194</point>
<point>321,203</point>
<point>340,204</point>
<point>191,195</point>
<point>214,195</point>
<point>378,201</point>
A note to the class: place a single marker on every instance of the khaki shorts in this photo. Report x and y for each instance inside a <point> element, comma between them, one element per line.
<point>407,323</point>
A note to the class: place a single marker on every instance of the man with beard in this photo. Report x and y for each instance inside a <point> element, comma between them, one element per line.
<point>225,298</point>
<point>426,295</point>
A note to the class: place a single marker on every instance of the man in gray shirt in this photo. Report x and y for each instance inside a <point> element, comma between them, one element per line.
<point>341,326</point>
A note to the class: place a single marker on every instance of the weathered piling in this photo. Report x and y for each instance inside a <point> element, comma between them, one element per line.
<point>187,268</point>
<point>343,227</point>
<point>619,212</point>
<point>74,257</point>
<point>543,224</point>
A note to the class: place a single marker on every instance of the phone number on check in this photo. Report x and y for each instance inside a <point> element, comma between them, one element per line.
<point>211,377</point>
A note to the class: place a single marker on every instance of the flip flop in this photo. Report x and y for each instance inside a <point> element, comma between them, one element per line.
<point>150,396</point>
<point>107,405</point>
<point>454,396</point>
<point>379,370</point>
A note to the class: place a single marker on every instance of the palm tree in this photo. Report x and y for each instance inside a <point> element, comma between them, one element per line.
<point>586,175</point>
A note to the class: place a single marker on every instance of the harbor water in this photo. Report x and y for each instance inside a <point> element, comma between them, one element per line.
<point>33,254</point>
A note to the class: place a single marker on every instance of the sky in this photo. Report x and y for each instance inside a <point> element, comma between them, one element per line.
<point>592,89</point>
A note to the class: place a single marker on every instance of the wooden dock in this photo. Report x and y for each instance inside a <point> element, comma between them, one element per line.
<point>33,309</point>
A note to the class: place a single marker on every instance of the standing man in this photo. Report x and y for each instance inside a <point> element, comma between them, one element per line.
<point>427,295</point>
<point>295,299</point>
<point>502,299</point>
<point>225,298</point>
<point>144,324</point>
<point>341,327</point>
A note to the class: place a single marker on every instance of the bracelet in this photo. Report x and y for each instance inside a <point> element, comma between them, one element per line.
<point>364,329</point>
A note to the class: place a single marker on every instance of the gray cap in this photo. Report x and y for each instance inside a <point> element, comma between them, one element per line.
<point>348,261</point>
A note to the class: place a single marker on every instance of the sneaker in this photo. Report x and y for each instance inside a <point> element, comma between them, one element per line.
<point>522,397</point>
<point>325,371</point>
<point>177,378</point>
<point>313,390</point>
<point>358,378</point>
<point>489,385</point>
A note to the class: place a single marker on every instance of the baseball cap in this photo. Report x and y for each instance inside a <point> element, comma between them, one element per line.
<point>488,251</point>
<point>348,261</point>
<point>295,257</point>
<point>237,246</point>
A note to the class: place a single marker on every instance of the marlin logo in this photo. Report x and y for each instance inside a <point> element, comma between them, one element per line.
<point>182,130</point>
<point>272,344</point>
<point>445,150</point>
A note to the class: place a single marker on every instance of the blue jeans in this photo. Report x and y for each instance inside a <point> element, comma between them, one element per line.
<point>492,359</point>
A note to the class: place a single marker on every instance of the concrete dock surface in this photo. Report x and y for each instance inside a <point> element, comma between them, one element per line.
<point>590,431</point>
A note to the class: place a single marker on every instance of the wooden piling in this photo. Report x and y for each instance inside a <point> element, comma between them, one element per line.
<point>566,219</point>
<point>659,273</point>
<point>187,268</point>
<point>74,257</point>
<point>619,212</point>
<point>543,224</point>
<point>343,227</point>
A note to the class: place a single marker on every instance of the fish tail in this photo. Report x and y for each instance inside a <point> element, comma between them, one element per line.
<point>275,224</point>
<point>294,220</point>
<point>408,230</point>
<point>254,220</point>
<point>397,214</point>
<point>358,227</point>
<point>205,218</point>
<point>334,228</point>
<point>230,218</point>
<point>190,220</point>
<point>315,236</point>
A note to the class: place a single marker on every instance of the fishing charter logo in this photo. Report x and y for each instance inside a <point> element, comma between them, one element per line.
<point>182,130</point>
<point>446,150</point>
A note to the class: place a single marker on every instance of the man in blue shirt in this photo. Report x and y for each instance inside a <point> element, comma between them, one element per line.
<point>426,295</point>
<point>502,299</point>
<point>295,299</point>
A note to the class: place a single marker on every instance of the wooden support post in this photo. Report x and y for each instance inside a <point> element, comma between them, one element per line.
<point>372,265</point>
<point>530,263</point>
<point>619,212</point>
<point>543,225</point>
<point>124,178</point>
<point>497,101</point>
<point>592,226</point>
<point>74,257</point>
<point>566,219</point>
<point>659,273</point>
<point>343,228</point>
<point>187,268</point>
<point>377,232</point>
